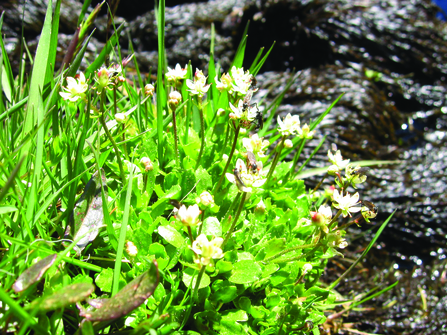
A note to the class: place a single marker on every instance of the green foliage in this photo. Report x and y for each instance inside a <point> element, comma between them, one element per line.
<point>176,234</point>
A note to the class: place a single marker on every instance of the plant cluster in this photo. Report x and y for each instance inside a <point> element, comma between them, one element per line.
<point>191,220</point>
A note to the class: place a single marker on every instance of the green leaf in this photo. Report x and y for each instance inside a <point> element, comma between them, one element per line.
<point>64,296</point>
<point>191,275</point>
<point>224,292</point>
<point>104,280</point>
<point>33,274</point>
<point>211,226</point>
<point>171,235</point>
<point>7,209</point>
<point>88,215</point>
<point>245,271</point>
<point>129,298</point>
<point>317,291</point>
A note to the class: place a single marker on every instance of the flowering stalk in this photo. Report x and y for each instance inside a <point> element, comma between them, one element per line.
<point>291,259</point>
<point>276,158</point>
<point>174,123</point>
<point>115,148</point>
<point>199,279</point>
<point>239,210</point>
<point>202,131</point>
<point>219,183</point>
<point>319,184</point>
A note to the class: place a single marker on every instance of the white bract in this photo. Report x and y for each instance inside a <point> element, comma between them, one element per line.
<point>347,204</point>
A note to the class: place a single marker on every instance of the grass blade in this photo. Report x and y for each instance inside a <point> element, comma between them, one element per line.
<point>364,253</point>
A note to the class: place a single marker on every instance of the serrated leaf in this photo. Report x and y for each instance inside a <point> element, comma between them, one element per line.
<point>246,271</point>
<point>65,296</point>
<point>33,274</point>
<point>104,280</point>
<point>128,298</point>
<point>171,235</point>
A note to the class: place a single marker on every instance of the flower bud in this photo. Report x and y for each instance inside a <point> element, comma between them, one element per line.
<point>102,78</point>
<point>206,199</point>
<point>149,90</point>
<point>288,144</point>
<point>131,249</point>
<point>120,117</point>
<point>147,164</point>
<point>260,208</point>
<point>221,112</point>
<point>307,267</point>
<point>174,99</point>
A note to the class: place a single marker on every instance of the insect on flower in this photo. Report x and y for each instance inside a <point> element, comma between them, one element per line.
<point>369,210</point>
<point>251,162</point>
<point>240,184</point>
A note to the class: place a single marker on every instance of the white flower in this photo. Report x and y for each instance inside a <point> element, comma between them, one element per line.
<point>207,250</point>
<point>244,179</point>
<point>75,88</point>
<point>247,114</point>
<point>346,203</point>
<point>175,74</point>
<point>198,86</point>
<point>336,241</point>
<point>289,125</point>
<point>255,144</point>
<point>305,133</point>
<point>225,83</point>
<point>337,162</point>
<point>288,144</point>
<point>190,216</point>
<point>121,117</point>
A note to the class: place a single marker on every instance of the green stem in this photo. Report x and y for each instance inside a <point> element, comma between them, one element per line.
<point>174,123</point>
<point>190,234</point>
<point>115,148</point>
<point>279,254</point>
<point>202,132</point>
<point>319,184</point>
<point>275,159</point>
<point>219,183</point>
<point>239,210</point>
<point>227,135</point>
<point>287,260</point>
<point>334,219</point>
<point>233,204</point>
<point>199,279</point>
<point>201,226</point>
